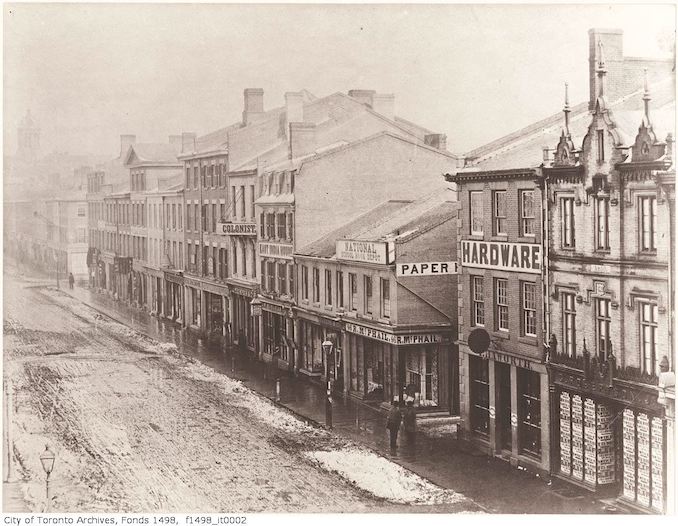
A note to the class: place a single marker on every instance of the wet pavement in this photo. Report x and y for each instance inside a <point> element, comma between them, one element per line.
<point>491,483</point>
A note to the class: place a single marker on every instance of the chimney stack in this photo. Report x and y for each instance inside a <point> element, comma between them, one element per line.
<point>384,104</point>
<point>612,41</point>
<point>254,104</point>
<point>302,139</point>
<point>294,106</point>
<point>362,95</point>
<point>176,141</point>
<point>125,142</point>
<point>187,142</point>
<point>436,140</point>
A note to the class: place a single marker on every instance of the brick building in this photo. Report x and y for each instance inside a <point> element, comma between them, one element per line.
<point>381,288</point>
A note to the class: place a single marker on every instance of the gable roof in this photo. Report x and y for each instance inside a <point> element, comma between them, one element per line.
<point>157,153</point>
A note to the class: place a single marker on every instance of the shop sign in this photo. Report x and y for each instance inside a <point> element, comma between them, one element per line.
<point>276,250</point>
<point>237,229</point>
<point>512,360</point>
<point>431,268</point>
<point>395,339</point>
<point>174,278</point>
<point>365,251</point>
<point>243,292</point>
<point>276,309</point>
<point>516,257</point>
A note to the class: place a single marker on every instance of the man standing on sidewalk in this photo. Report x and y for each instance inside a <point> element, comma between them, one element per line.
<point>393,423</point>
<point>410,424</point>
<point>71,280</point>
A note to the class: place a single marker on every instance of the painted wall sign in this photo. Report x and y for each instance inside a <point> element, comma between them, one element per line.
<point>430,268</point>
<point>395,339</point>
<point>365,251</point>
<point>276,250</point>
<point>247,293</point>
<point>237,229</point>
<point>516,257</point>
<point>512,360</point>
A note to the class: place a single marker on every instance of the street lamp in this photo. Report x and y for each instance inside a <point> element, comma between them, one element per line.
<point>327,346</point>
<point>47,461</point>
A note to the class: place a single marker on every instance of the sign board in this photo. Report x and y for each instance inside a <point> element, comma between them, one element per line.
<point>430,268</point>
<point>364,251</point>
<point>276,250</point>
<point>516,257</point>
<point>395,339</point>
<point>237,229</point>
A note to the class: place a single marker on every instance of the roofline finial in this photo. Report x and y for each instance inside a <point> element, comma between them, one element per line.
<point>646,97</point>
<point>566,111</point>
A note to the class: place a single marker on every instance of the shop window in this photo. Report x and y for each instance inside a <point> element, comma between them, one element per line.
<point>499,212</point>
<point>527,215</point>
<point>529,430</point>
<point>385,298</point>
<point>476,212</point>
<point>648,338</point>
<point>569,324</point>
<point>602,223</point>
<point>480,395</point>
<point>316,285</point>
<point>603,321</point>
<point>501,300</point>
<point>328,287</point>
<point>367,280</point>
<point>567,222</point>
<point>353,291</point>
<point>648,223</point>
<point>478,307</point>
<point>340,288</point>
<point>529,308</point>
<point>374,370</point>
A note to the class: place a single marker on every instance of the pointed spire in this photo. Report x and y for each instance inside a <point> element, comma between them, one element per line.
<point>646,99</point>
<point>566,111</point>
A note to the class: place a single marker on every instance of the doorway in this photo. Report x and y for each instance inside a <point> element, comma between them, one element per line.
<point>503,390</point>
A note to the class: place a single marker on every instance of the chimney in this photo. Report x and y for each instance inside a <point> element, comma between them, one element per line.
<point>125,142</point>
<point>612,41</point>
<point>254,104</point>
<point>294,106</point>
<point>384,104</point>
<point>176,141</point>
<point>436,140</point>
<point>187,142</point>
<point>302,139</point>
<point>362,95</point>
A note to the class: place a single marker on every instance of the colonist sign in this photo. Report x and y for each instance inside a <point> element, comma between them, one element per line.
<point>431,268</point>
<point>246,229</point>
<point>516,257</point>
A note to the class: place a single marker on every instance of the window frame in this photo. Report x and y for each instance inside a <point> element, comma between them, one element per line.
<point>475,209</point>
<point>499,222</point>
<point>502,307</point>
<point>569,323</point>
<point>477,305</point>
<point>643,219</point>
<point>567,221</point>
<point>528,312</point>
<point>649,361</point>
<point>602,223</point>
<point>527,219</point>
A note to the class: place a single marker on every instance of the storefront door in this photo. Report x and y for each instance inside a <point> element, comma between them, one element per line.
<point>215,313</point>
<point>503,383</point>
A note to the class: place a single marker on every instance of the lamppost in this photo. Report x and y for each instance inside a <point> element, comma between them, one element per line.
<point>327,346</point>
<point>47,460</point>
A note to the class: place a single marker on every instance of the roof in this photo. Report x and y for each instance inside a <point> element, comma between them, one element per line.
<point>524,148</point>
<point>161,153</point>
<point>397,221</point>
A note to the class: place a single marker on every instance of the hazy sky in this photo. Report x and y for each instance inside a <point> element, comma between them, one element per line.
<point>92,72</point>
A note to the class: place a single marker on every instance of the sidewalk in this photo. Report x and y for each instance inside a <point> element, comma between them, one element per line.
<point>450,463</point>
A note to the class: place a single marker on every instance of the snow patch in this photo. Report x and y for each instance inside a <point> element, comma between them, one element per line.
<point>383,478</point>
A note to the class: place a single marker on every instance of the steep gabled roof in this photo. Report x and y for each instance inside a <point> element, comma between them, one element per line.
<point>160,153</point>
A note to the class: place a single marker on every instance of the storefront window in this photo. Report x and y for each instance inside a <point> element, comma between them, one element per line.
<point>374,369</point>
<point>529,431</point>
<point>421,376</point>
<point>480,395</point>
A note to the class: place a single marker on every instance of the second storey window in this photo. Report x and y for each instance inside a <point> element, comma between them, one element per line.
<point>316,285</point>
<point>527,218</point>
<point>602,223</point>
<point>328,287</point>
<point>502,304</point>
<point>648,338</point>
<point>270,226</point>
<point>648,223</point>
<point>270,275</point>
<point>476,212</point>
<point>569,318</point>
<point>529,304</point>
<point>478,312</point>
<point>368,294</point>
<point>282,278</point>
<point>340,288</point>
<point>304,282</point>
<point>353,291</point>
<point>282,226</point>
<point>603,321</point>
<point>499,212</point>
<point>567,222</point>
<point>385,298</point>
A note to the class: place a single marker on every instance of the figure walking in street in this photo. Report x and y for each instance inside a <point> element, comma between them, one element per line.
<point>393,423</point>
<point>410,424</point>
<point>71,280</point>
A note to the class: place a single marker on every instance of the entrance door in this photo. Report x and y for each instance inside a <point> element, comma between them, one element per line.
<point>503,382</point>
<point>216,313</point>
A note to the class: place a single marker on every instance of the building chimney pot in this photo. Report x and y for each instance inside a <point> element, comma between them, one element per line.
<point>125,142</point>
<point>302,139</point>
<point>384,104</point>
<point>436,140</point>
<point>294,106</point>
<point>363,96</point>
<point>187,142</point>
<point>175,140</point>
<point>253,105</point>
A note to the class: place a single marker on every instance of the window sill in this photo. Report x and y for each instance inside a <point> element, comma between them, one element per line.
<point>476,237</point>
<point>499,237</point>
<point>527,239</point>
<point>504,335</point>
<point>648,254</point>
<point>528,340</point>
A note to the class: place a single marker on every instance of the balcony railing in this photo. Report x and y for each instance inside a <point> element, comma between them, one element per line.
<point>604,370</point>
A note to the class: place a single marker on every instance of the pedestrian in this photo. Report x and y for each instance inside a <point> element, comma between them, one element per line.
<point>393,423</point>
<point>71,280</point>
<point>410,423</point>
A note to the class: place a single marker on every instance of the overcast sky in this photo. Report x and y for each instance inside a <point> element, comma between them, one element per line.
<point>92,72</point>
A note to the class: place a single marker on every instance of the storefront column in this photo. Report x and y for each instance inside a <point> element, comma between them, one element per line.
<point>259,344</point>
<point>187,306</point>
<point>514,415</point>
<point>203,311</point>
<point>224,316</point>
<point>297,344</point>
<point>545,422</point>
<point>670,460</point>
<point>465,392</point>
<point>346,361</point>
<point>495,439</point>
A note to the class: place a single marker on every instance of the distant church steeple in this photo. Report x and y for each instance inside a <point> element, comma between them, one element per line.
<point>28,135</point>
